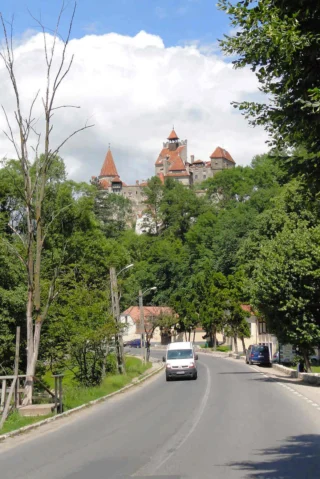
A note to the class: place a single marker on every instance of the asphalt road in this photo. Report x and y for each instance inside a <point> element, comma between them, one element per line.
<point>231,423</point>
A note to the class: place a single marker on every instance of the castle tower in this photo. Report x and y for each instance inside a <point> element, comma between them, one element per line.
<point>171,161</point>
<point>108,170</point>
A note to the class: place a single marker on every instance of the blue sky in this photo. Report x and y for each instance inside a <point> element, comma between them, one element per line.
<point>140,66</point>
<point>176,21</point>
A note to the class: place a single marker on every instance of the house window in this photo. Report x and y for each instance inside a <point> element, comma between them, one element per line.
<point>196,177</point>
<point>262,325</point>
<point>204,177</point>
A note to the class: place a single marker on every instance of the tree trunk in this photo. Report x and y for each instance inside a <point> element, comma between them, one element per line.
<point>214,339</point>
<point>189,335</point>
<point>32,359</point>
<point>235,343</point>
<point>306,360</point>
<point>194,335</point>
<point>243,346</point>
<point>103,372</point>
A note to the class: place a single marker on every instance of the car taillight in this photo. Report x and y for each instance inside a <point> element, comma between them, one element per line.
<point>252,355</point>
<point>191,365</point>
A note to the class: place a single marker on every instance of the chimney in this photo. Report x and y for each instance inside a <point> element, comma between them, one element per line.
<point>192,158</point>
<point>165,165</point>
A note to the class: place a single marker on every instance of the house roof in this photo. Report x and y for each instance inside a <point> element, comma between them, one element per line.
<point>149,312</point>
<point>222,153</point>
<point>109,167</point>
<point>165,152</point>
<point>173,135</point>
<point>172,173</point>
<point>197,162</point>
<point>116,179</point>
<point>177,164</point>
<point>248,307</point>
<point>104,183</point>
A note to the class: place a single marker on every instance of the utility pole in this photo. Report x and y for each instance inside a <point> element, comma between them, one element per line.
<point>142,325</point>
<point>116,315</point>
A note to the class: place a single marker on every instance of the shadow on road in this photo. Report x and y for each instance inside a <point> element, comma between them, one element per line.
<point>297,458</point>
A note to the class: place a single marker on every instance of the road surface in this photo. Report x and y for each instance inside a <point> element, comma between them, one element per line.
<point>231,423</point>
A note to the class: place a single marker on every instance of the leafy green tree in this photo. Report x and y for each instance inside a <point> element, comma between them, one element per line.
<point>114,213</point>
<point>286,283</point>
<point>153,193</point>
<point>280,41</point>
<point>180,208</point>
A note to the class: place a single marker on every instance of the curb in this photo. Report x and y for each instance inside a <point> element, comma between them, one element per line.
<point>30,427</point>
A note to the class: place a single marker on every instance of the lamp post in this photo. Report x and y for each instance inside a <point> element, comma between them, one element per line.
<point>143,348</point>
<point>116,315</point>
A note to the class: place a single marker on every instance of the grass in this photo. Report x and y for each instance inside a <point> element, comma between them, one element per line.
<point>77,395</point>
<point>315,369</point>
<point>222,349</point>
<point>15,421</point>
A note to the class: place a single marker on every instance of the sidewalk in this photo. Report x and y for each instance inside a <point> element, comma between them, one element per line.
<point>310,392</point>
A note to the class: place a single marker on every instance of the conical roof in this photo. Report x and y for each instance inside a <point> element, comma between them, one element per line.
<point>109,167</point>
<point>173,135</point>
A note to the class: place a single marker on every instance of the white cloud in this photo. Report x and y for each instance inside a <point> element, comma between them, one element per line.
<point>134,89</point>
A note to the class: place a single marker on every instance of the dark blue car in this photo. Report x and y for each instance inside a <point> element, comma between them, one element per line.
<point>258,354</point>
<point>134,343</point>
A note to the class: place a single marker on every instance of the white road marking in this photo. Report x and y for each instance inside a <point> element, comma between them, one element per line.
<point>272,378</point>
<point>177,441</point>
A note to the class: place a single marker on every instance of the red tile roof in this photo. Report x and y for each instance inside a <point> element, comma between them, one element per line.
<point>165,152</point>
<point>109,167</point>
<point>116,179</point>
<point>248,307</point>
<point>173,136</point>
<point>222,153</point>
<point>104,183</point>
<point>183,173</point>
<point>176,164</point>
<point>149,312</point>
<point>197,162</point>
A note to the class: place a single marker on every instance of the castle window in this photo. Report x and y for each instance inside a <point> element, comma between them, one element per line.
<point>204,177</point>
<point>196,177</point>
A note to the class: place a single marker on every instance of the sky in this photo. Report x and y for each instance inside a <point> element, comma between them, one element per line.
<point>140,67</point>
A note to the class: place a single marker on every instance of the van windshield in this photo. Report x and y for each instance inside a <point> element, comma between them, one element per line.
<point>180,354</point>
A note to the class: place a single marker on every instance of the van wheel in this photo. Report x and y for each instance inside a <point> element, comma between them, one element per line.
<point>194,377</point>
<point>167,378</point>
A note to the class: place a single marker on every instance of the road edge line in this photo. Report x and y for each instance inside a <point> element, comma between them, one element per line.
<point>30,427</point>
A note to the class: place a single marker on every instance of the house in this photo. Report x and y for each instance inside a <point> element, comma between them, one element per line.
<point>152,314</point>
<point>259,332</point>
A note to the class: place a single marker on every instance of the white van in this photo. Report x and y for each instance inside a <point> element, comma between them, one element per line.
<point>180,361</point>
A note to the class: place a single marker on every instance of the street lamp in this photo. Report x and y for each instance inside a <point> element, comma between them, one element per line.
<point>125,268</point>
<point>116,315</point>
<point>143,347</point>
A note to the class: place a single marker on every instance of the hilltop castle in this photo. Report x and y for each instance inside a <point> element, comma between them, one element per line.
<point>172,162</point>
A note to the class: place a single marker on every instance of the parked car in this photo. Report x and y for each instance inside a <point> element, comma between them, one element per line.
<point>258,354</point>
<point>134,343</point>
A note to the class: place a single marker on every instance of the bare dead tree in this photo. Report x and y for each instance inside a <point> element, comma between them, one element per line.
<point>34,187</point>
